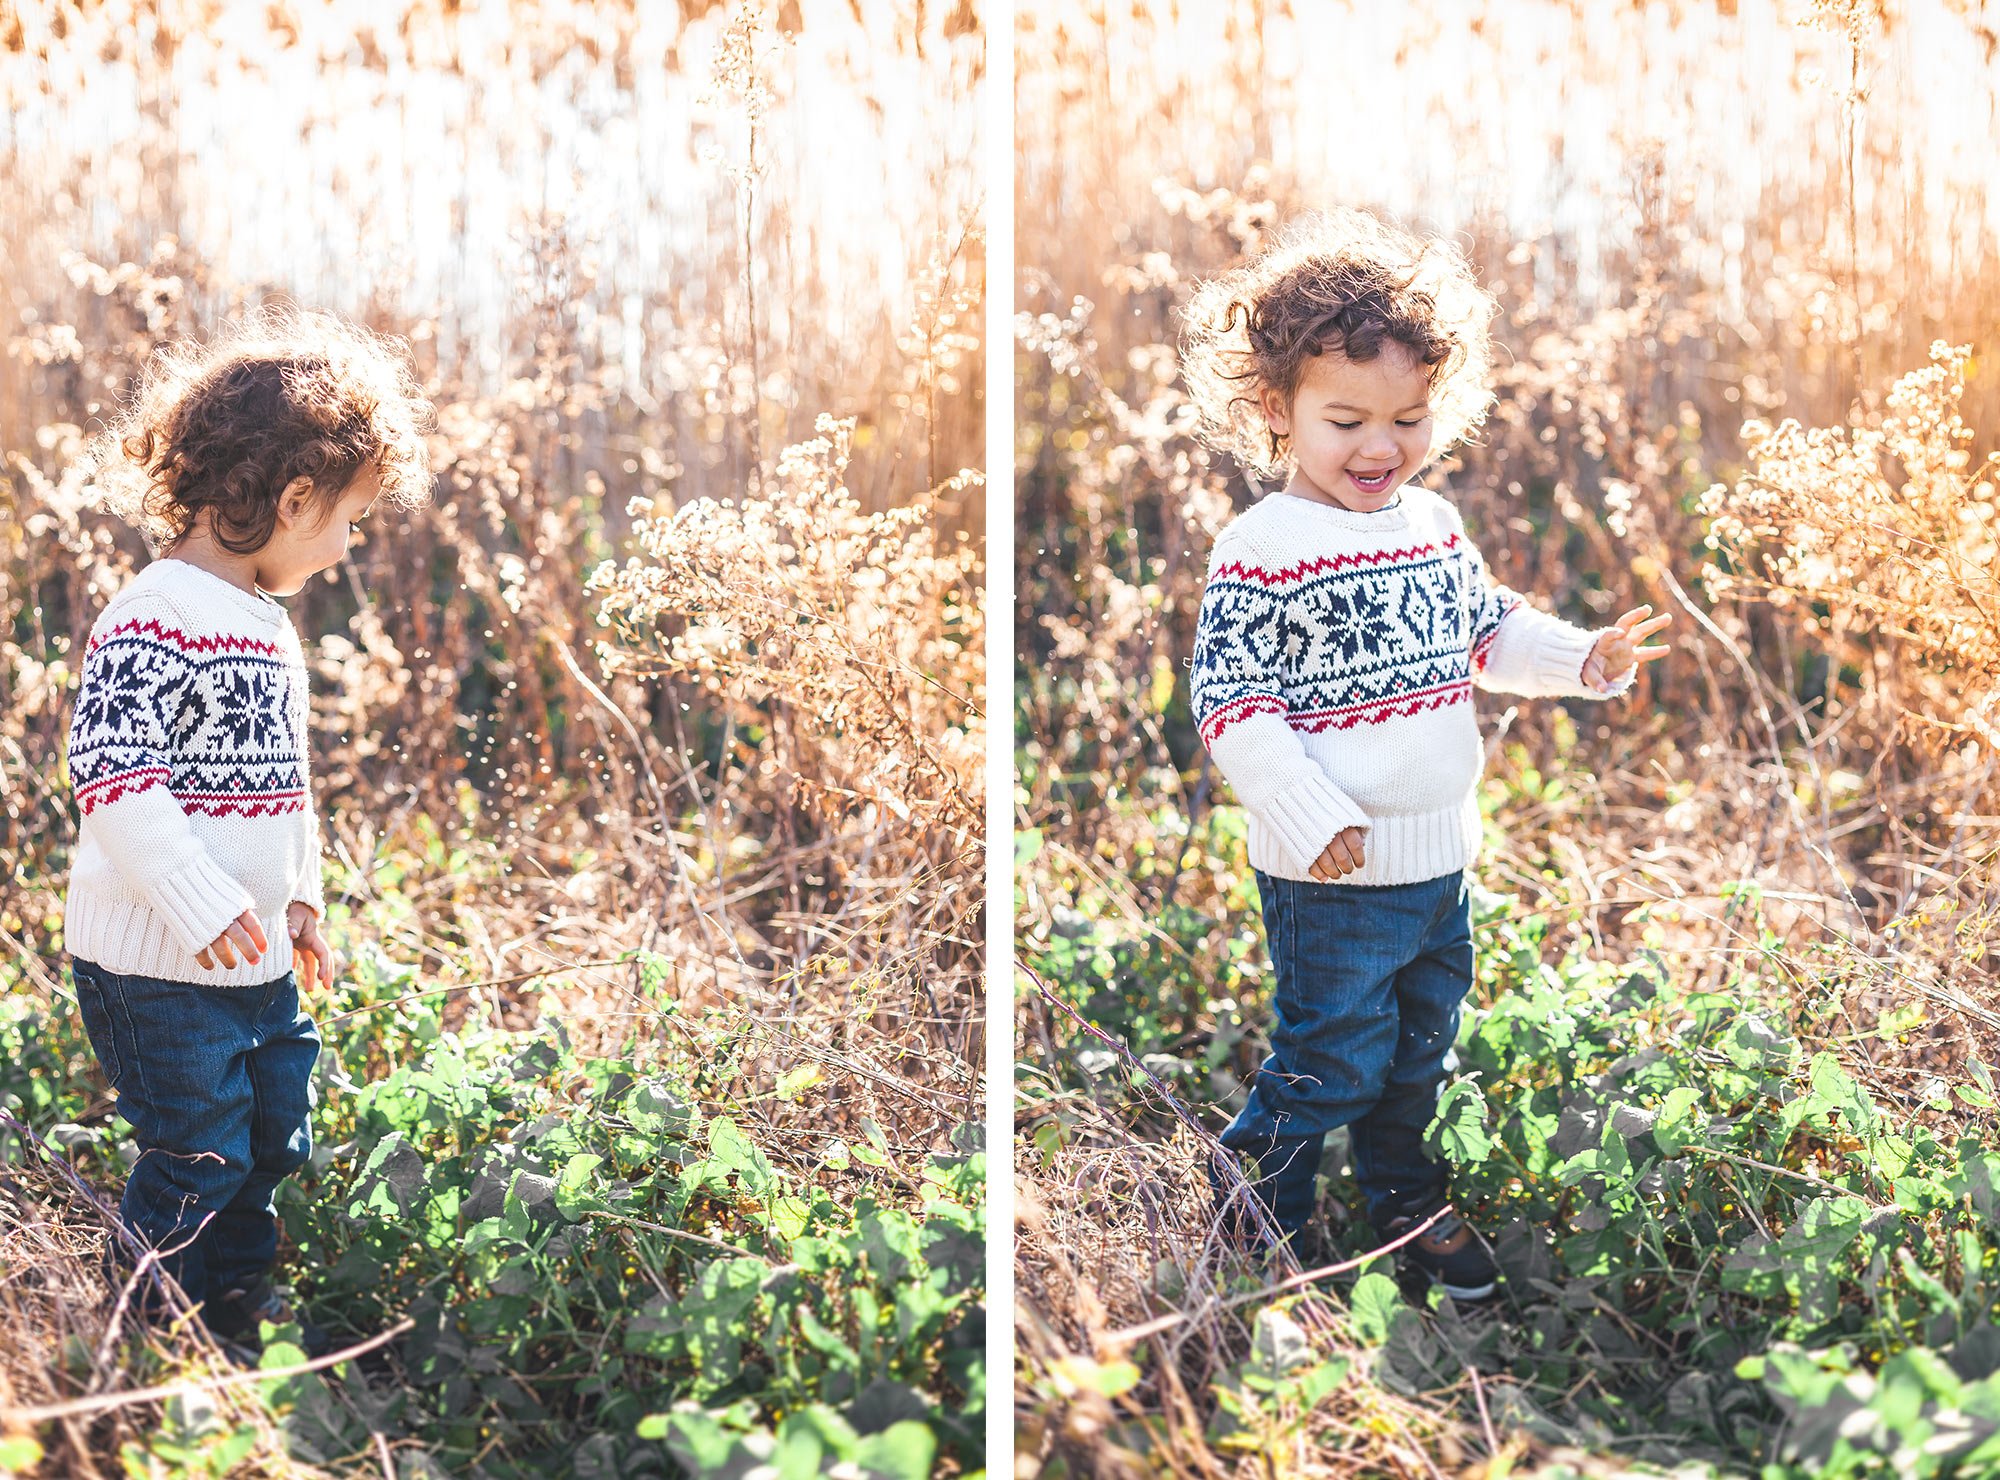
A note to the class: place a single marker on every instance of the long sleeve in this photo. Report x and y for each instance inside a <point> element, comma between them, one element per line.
<point>135,683</point>
<point>1238,698</point>
<point>1518,649</point>
<point>310,890</point>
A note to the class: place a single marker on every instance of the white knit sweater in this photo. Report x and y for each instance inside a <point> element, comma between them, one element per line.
<point>1334,663</point>
<point>189,761</point>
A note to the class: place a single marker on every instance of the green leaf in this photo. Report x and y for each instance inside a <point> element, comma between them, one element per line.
<point>793,1082</point>
<point>1892,1155</point>
<point>1841,1091</point>
<point>19,1452</point>
<point>1460,1124</point>
<point>1279,1346</point>
<point>573,1189</point>
<point>788,1217</point>
<point>1372,1306</point>
<point>1108,1379</point>
<point>732,1151</point>
<point>1671,1131</point>
<point>654,1109</point>
<point>903,1451</point>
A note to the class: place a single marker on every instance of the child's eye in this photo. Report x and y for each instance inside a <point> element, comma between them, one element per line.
<point>1415,422</point>
<point>1347,426</point>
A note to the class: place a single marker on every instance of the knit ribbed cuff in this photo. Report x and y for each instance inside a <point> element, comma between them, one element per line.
<point>1311,814</point>
<point>199,901</point>
<point>1559,659</point>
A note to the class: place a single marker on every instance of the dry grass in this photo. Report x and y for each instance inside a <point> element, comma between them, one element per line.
<point>1661,286</point>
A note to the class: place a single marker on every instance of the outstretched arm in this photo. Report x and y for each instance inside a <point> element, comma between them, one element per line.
<point>1518,649</point>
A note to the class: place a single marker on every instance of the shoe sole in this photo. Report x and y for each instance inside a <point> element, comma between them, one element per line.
<point>1469,1292</point>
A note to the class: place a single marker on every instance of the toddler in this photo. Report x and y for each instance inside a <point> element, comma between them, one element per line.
<point>1346,620</point>
<point>194,899</point>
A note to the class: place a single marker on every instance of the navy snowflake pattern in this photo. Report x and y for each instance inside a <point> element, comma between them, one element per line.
<point>1345,641</point>
<point>218,721</point>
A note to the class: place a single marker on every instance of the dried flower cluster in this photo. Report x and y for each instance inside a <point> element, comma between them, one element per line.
<point>854,636</point>
<point>1888,533</point>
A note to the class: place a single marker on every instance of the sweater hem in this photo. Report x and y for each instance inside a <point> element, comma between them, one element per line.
<point>132,940</point>
<point>1404,849</point>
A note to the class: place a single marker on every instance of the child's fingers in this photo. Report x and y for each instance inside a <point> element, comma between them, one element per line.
<point>1634,615</point>
<point>254,933</point>
<point>240,940</point>
<point>1647,629</point>
<point>1648,654</point>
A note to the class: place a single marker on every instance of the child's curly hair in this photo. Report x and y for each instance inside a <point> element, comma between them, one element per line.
<point>1341,282</point>
<point>226,426</point>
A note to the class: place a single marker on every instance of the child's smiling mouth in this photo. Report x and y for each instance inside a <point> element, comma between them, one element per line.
<point>1373,482</point>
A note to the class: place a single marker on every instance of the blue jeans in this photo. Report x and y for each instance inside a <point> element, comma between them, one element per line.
<point>1369,981</point>
<point>217,1085</point>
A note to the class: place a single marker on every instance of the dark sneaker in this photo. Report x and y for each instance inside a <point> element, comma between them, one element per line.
<point>236,1318</point>
<point>1450,1253</point>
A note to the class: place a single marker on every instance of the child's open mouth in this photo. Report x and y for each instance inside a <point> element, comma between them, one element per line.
<point>1373,482</point>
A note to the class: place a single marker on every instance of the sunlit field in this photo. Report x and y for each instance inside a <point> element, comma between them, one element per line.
<point>1725,1105</point>
<point>648,754</point>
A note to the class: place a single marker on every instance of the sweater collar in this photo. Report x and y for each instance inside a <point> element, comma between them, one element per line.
<point>1390,517</point>
<point>252,605</point>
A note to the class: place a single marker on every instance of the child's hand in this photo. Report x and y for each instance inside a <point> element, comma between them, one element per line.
<point>1342,856</point>
<point>243,937</point>
<point>1616,651</point>
<point>312,958</point>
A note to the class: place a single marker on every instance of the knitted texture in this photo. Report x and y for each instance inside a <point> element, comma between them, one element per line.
<point>1334,663</point>
<point>189,763</point>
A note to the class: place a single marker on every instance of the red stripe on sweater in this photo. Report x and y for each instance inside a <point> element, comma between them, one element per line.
<point>1395,709</point>
<point>125,783</point>
<point>1293,573</point>
<point>239,796</point>
<point>224,808</point>
<point>1235,710</point>
<point>1303,715</point>
<point>174,637</point>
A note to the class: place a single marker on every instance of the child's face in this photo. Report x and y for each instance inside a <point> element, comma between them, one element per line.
<point>306,542</point>
<point>1358,428</point>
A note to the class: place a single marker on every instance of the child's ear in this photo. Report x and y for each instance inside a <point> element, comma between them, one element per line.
<point>294,500</point>
<point>1277,414</point>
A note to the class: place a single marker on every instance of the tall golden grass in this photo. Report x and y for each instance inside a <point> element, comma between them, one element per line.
<point>1725,239</point>
<point>685,654</point>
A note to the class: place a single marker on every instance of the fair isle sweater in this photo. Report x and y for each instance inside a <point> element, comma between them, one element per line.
<point>1334,663</point>
<point>189,763</point>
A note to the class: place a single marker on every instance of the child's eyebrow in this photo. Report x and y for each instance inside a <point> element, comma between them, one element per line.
<point>1344,406</point>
